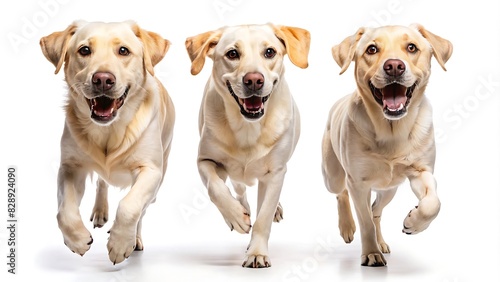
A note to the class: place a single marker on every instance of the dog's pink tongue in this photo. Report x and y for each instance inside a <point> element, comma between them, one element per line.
<point>253,103</point>
<point>103,106</point>
<point>394,96</point>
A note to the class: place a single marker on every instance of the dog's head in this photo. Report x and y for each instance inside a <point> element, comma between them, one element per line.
<point>248,61</point>
<point>104,63</point>
<point>392,64</point>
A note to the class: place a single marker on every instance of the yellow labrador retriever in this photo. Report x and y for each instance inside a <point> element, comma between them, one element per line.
<point>119,123</point>
<point>249,123</point>
<point>382,133</point>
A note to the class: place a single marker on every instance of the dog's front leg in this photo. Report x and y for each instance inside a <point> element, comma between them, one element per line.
<point>213,176</point>
<point>123,238</point>
<point>71,187</point>
<point>270,186</point>
<point>419,218</point>
<point>361,196</point>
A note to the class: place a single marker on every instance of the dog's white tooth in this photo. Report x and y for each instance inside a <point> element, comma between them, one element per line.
<point>400,107</point>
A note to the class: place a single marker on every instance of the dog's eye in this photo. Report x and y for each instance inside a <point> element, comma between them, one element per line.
<point>412,48</point>
<point>123,51</point>
<point>270,53</point>
<point>84,51</point>
<point>372,49</point>
<point>232,55</point>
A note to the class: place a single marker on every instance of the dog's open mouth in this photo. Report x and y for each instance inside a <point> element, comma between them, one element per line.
<point>103,109</point>
<point>252,107</point>
<point>394,98</point>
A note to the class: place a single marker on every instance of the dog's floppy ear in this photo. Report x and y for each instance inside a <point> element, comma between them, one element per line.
<point>154,47</point>
<point>343,53</point>
<point>201,46</point>
<point>55,45</point>
<point>297,41</point>
<point>441,48</point>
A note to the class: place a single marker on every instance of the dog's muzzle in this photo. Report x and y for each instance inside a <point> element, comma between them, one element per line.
<point>251,108</point>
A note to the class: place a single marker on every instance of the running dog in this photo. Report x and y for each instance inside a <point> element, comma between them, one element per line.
<point>382,134</point>
<point>249,123</point>
<point>119,124</point>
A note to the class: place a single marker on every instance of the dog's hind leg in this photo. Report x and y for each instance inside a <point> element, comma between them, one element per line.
<point>347,226</point>
<point>241,195</point>
<point>139,246</point>
<point>100,211</point>
<point>278,216</point>
<point>334,177</point>
<point>419,218</point>
<point>384,197</point>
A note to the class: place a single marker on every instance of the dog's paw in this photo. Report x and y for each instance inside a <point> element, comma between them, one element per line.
<point>257,254</point>
<point>256,261</point>
<point>76,237</point>
<point>347,229</point>
<point>373,259</point>
<point>78,240</point>
<point>384,247</point>
<point>138,244</point>
<point>416,221</point>
<point>236,217</point>
<point>278,215</point>
<point>99,216</point>
<point>121,245</point>
<point>243,201</point>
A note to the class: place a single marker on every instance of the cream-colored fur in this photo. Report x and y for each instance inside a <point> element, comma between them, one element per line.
<point>126,142</point>
<point>375,145</point>
<point>248,146</point>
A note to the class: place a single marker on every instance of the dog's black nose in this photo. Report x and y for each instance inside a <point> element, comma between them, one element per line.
<point>103,81</point>
<point>394,67</point>
<point>253,81</point>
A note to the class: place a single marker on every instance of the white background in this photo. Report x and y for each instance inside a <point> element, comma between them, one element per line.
<point>185,237</point>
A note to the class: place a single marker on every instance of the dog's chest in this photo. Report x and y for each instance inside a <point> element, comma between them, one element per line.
<point>245,170</point>
<point>249,158</point>
<point>383,170</point>
<point>116,176</point>
<point>386,174</point>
